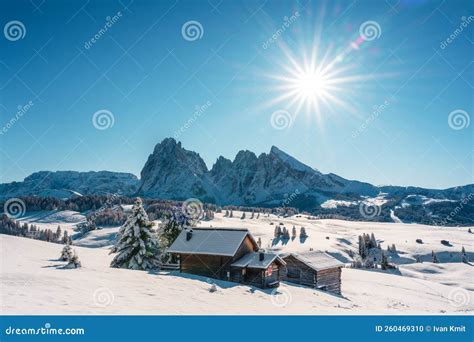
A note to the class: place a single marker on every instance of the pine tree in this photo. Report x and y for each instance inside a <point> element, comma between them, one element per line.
<point>73,261</point>
<point>243,216</point>
<point>435,257</point>
<point>373,241</point>
<point>259,242</point>
<point>65,238</point>
<point>57,236</point>
<point>258,215</point>
<point>303,234</point>
<point>384,263</point>
<point>231,213</point>
<point>394,249</point>
<point>252,216</point>
<point>293,232</point>
<point>137,247</point>
<point>66,253</point>
<point>465,258</point>
<point>362,247</point>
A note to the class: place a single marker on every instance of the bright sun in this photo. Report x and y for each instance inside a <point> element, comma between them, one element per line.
<point>311,85</point>
<point>314,84</point>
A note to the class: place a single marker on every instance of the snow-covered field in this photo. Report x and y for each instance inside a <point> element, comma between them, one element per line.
<point>33,281</point>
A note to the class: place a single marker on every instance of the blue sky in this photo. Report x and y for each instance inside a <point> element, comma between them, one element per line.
<point>150,78</point>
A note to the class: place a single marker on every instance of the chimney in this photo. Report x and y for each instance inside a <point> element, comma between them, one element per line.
<point>189,234</point>
<point>261,256</point>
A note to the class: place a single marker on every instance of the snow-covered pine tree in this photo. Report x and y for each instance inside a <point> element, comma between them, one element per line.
<point>67,252</point>
<point>137,246</point>
<point>73,261</point>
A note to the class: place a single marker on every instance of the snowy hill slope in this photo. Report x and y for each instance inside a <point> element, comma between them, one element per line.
<point>33,282</point>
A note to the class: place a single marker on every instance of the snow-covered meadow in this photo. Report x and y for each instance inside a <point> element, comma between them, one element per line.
<point>34,282</point>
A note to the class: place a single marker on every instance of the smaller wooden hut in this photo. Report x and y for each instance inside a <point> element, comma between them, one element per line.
<point>315,269</point>
<point>258,269</point>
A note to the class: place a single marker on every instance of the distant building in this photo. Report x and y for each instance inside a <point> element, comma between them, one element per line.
<point>315,269</point>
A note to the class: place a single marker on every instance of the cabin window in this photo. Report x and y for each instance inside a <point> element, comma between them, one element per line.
<point>269,272</point>
<point>244,270</point>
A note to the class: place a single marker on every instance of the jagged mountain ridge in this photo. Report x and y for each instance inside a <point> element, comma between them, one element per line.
<point>175,173</point>
<point>273,179</point>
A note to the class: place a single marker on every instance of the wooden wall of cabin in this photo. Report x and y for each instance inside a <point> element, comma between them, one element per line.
<point>212,266</point>
<point>329,280</point>
<point>298,272</point>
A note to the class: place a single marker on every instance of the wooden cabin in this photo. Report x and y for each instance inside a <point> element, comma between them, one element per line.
<point>315,269</point>
<point>227,254</point>
<point>258,269</point>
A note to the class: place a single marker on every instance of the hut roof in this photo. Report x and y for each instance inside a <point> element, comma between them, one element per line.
<point>252,260</point>
<point>211,241</point>
<point>316,260</point>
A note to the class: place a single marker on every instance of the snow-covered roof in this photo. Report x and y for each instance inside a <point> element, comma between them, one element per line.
<point>213,241</point>
<point>252,260</point>
<point>316,260</point>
